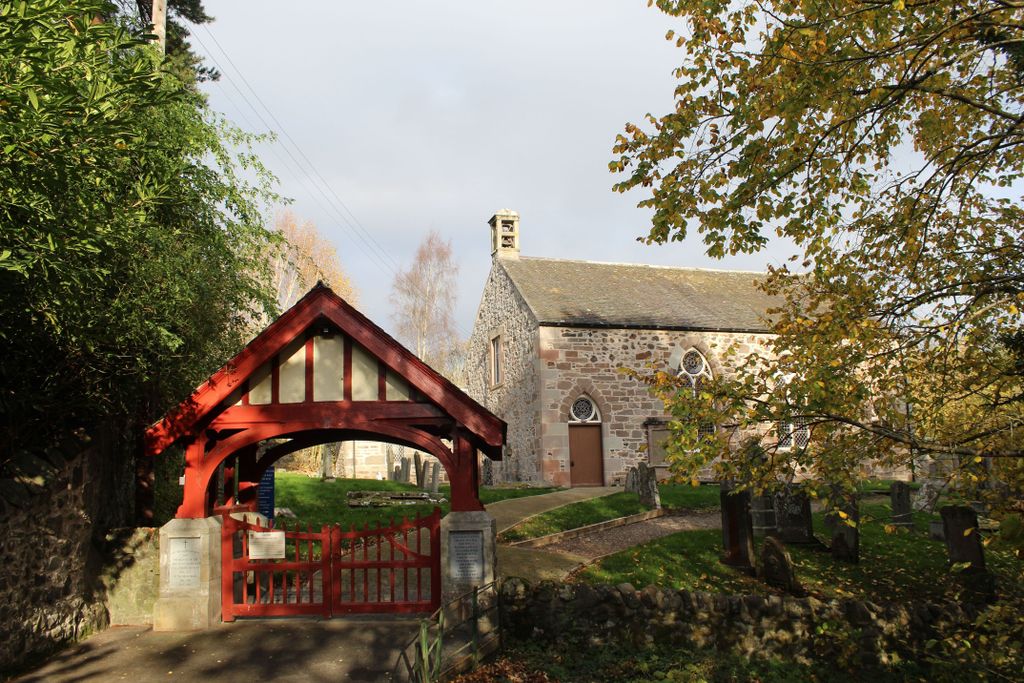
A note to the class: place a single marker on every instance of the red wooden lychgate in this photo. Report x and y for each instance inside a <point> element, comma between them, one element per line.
<point>333,571</point>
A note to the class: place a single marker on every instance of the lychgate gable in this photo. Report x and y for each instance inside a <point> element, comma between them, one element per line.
<point>321,372</point>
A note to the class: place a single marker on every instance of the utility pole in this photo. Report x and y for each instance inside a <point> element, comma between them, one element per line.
<point>158,17</point>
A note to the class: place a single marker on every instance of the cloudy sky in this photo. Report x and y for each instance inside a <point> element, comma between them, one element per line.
<point>396,118</point>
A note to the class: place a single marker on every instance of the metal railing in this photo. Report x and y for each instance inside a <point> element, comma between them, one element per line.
<point>453,639</point>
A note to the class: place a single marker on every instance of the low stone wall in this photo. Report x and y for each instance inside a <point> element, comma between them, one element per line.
<point>130,575</point>
<point>853,631</point>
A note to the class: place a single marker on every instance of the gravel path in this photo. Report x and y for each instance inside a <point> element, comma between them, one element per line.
<point>599,543</point>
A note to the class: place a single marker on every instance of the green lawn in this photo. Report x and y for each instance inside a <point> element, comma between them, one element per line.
<point>893,566</point>
<point>316,502</point>
<point>583,513</point>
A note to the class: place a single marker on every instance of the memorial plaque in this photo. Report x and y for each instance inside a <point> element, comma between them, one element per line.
<point>186,560</point>
<point>266,545</point>
<point>466,556</point>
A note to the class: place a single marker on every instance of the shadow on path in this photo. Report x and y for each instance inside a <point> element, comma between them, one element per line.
<point>353,649</point>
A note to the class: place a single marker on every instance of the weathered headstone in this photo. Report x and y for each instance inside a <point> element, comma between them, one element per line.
<point>927,496</point>
<point>793,522</point>
<point>631,486</point>
<point>843,523</point>
<point>899,497</point>
<point>963,543</point>
<point>776,567</point>
<point>435,474</point>
<point>488,472</point>
<point>404,473</point>
<point>737,529</point>
<point>420,468</point>
<point>396,473</point>
<point>647,484</point>
<point>762,514</point>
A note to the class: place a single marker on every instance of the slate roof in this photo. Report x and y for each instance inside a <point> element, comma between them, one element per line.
<point>622,295</point>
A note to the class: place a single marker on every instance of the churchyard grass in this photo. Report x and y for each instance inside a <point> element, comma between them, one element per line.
<point>317,502</point>
<point>584,513</point>
<point>894,565</point>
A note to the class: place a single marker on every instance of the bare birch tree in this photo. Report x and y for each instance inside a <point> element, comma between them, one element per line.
<point>423,297</point>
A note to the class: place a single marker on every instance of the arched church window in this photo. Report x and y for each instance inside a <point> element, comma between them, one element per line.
<point>694,370</point>
<point>584,410</point>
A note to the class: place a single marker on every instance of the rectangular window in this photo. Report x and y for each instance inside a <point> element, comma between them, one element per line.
<point>496,369</point>
<point>792,434</point>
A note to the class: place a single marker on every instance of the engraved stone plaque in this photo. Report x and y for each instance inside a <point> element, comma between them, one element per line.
<point>466,556</point>
<point>186,560</point>
<point>266,545</point>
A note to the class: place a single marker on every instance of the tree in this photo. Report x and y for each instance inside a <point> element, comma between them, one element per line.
<point>132,248</point>
<point>885,140</point>
<point>304,258</point>
<point>424,302</point>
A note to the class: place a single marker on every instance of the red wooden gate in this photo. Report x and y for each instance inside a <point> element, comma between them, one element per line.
<point>332,571</point>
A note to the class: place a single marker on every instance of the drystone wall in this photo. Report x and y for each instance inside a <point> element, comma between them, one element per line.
<point>749,625</point>
<point>586,361</point>
<point>54,554</point>
<point>515,399</point>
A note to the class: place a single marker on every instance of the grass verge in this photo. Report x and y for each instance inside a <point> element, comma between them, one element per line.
<point>905,565</point>
<point>586,512</point>
<point>316,502</point>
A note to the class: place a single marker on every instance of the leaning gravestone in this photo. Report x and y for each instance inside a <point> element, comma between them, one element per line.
<point>963,543</point>
<point>793,522</point>
<point>646,479</point>
<point>844,526</point>
<point>776,567</point>
<point>737,529</point>
<point>899,497</point>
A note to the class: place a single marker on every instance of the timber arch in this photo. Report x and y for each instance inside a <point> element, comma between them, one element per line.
<point>321,372</point>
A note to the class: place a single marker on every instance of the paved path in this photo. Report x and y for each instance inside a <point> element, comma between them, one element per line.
<point>528,563</point>
<point>510,512</point>
<point>307,650</point>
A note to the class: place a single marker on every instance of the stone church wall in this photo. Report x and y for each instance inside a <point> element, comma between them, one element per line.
<point>586,361</point>
<point>516,399</point>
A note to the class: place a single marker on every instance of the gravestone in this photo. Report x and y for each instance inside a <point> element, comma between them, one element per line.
<point>963,543</point>
<point>435,475</point>
<point>762,514</point>
<point>646,479</point>
<point>396,474</point>
<point>631,486</point>
<point>488,472</point>
<point>927,496</point>
<point>776,567</point>
<point>403,475</point>
<point>737,529</point>
<point>899,497</point>
<point>421,470</point>
<point>793,523</point>
<point>845,528</point>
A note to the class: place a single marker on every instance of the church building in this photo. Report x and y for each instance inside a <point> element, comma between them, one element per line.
<point>551,336</point>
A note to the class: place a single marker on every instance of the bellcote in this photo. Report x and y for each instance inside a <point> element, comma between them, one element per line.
<point>505,234</point>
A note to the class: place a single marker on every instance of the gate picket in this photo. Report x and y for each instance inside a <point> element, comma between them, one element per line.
<point>261,588</point>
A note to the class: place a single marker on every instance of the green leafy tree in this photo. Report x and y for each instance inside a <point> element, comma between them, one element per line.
<point>883,139</point>
<point>132,244</point>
